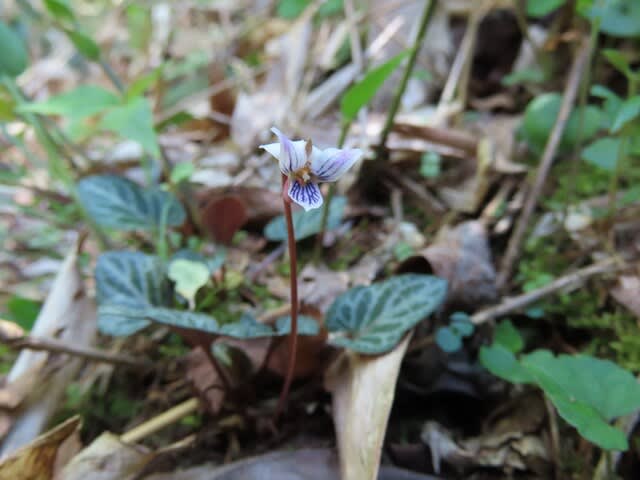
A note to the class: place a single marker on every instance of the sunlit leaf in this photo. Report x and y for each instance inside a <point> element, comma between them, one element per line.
<point>188,276</point>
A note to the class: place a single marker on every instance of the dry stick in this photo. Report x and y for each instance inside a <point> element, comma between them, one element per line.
<point>293,281</point>
<point>395,105</point>
<point>163,420</point>
<point>573,279</point>
<point>568,99</point>
<point>56,346</point>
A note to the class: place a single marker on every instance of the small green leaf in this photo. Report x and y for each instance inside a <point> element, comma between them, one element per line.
<point>430,165</point>
<point>541,8</point>
<point>603,153</point>
<point>115,202</point>
<point>501,361</point>
<point>306,224</point>
<point>612,103</point>
<point>127,283</point>
<point>139,25</point>
<point>85,44</point>
<point>619,61</point>
<point>448,340</point>
<point>361,93</point>
<point>134,121</point>
<point>619,18</point>
<point>61,10</point>
<point>140,85</point>
<point>508,336</point>
<point>461,324</point>
<point>14,58</point>
<point>23,311</point>
<point>83,101</point>
<point>524,76</point>
<point>189,277</point>
<point>373,319</point>
<point>629,111</point>
<point>181,172</point>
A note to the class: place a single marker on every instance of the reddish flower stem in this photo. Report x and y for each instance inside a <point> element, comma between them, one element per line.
<point>293,280</point>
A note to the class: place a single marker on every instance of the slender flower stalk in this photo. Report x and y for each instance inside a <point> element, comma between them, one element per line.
<point>293,286</point>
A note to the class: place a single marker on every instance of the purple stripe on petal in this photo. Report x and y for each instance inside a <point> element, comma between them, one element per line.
<point>292,154</point>
<point>333,163</point>
<point>308,196</point>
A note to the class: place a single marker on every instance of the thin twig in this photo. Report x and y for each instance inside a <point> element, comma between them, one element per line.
<point>165,419</point>
<point>573,279</point>
<point>395,105</point>
<point>57,346</point>
<point>571,90</point>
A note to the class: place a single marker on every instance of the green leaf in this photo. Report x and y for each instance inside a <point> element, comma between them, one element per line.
<point>603,153</point>
<point>183,319</point>
<point>540,116</point>
<point>373,319</point>
<point>139,25</point>
<point>85,44</point>
<point>127,283</point>
<point>588,392</point>
<point>361,93</point>
<point>619,61</point>
<point>246,327</point>
<point>541,8</point>
<point>448,340</point>
<point>526,75</point>
<point>61,10</point>
<point>140,85</point>
<point>181,172</point>
<point>115,202</point>
<point>501,361</point>
<point>508,336</point>
<point>306,224</point>
<point>291,9</point>
<point>612,103</point>
<point>14,58</point>
<point>619,18</point>
<point>189,277</point>
<point>461,324</point>
<point>629,111</point>
<point>83,101</point>
<point>306,325</point>
<point>23,311</point>
<point>134,121</point>
<point>430,165</point>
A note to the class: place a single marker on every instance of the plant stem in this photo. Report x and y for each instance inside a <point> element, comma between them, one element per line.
<point>293,280</point>
<point>317,252</point>
<point>395,105</point>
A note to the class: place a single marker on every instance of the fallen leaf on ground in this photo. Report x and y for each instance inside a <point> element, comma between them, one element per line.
<point>627,292</point>
<point>363,389</point>
<point>205,380</point>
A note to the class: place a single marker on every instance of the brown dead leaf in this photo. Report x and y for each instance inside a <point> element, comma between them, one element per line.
<point>107,458</point>
<point>205,380</point>
<point>36,461</point>
<point>462,256</point>
<point>260,204</point>
<point>319,286</point>
<point>627,292</point>
<point>223,217</point>
<point>363,388</point>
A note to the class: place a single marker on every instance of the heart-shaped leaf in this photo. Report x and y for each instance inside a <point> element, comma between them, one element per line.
<point>115,202</point>
<point>189,277</point>
<point>306,224</point>
<point>373,319</point>
<point>126,283</point>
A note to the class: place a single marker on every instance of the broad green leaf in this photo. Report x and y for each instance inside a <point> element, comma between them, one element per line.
<point>373,319</point>
<point>61,10</point>
<point>448,340</point>
<point>85,44</point>
<point>134,121</point>
<point>618,60</point>
<point>246,327</point>
<point>212,263</point>
<point>189,277</point>
<point>629,111</point>
<point>83,101</point>
<point>540,116</point>
<point>508,336</point>
<point>23,311</point>
<point>541,8</point>
<point>306,224</point>
<point>619,18</point>
<point>183,319</point>
<point>127,283</point>
<point>588,392</point>
<point>306,326</point>
<point>612,103</point>
<point>115,202</point>
<point>361,93</point>
<point>501,361</point>
<point>14,58</point>
<point>603,153</point>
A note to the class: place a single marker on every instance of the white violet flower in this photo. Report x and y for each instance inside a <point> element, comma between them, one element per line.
<point>306,166</point>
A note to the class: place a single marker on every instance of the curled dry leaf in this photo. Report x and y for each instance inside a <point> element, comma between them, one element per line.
<point>37,460</point>
<point>363,388</point>
<point>627,292</point>
<point>107,458</point>
<point>205,380</point>
<point>462,256</point>
<point>260,204</point>
<point>223,217</point>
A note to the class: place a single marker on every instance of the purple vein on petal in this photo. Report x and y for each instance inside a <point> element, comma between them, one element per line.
<point>307,196</point>
<point>336,164</point>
